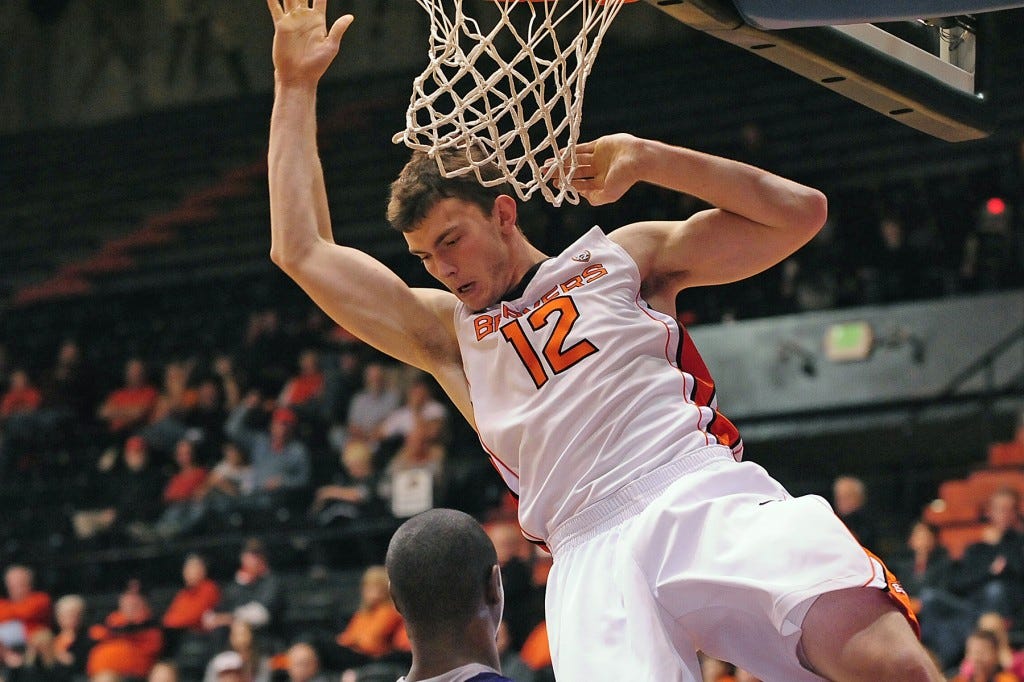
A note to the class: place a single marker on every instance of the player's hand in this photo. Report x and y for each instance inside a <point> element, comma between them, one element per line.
<point>303,47</point>
<point>606,168</point>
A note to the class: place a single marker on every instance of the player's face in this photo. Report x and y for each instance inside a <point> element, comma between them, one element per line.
<point>462,247</point>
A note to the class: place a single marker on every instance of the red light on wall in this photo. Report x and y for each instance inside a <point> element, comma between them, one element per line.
<point>995,206</point>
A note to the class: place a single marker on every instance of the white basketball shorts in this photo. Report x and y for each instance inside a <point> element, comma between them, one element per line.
<point>706,553</point>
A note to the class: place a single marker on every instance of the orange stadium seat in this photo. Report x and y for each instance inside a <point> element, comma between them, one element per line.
<point>987,481</point>
<point>956,538</point>
<point>1006,454</point>
<point>957,503</point>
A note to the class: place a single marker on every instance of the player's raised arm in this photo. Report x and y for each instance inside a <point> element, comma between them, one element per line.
<point>412,325</point>
<point>759,219</point>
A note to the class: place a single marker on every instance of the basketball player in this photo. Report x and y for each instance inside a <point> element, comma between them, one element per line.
<point>446,583</point>
<point>594,405</point>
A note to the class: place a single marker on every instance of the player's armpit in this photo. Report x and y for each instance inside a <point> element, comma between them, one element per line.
<point>414,326</point>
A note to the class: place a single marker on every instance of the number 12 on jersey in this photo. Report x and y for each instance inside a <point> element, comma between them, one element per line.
<point>558,357</point>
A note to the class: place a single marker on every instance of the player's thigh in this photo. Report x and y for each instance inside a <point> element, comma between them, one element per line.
<point>859,634</point>
<point>603,622</point>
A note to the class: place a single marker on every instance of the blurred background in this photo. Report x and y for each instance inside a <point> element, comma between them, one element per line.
<point>140,313</point>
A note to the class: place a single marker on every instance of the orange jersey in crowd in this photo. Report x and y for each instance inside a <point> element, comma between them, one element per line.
<point>372,632</point>
<point>129,653</point>
<point>33,611</point>
<point>189,604</point>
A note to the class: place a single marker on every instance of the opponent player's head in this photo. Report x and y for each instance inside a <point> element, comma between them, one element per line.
<point>444,576</point>
<point>466,235</point>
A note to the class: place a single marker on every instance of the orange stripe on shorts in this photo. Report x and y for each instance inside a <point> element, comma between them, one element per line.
<point>897,594</point>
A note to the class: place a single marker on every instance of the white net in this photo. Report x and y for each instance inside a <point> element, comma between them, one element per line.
<point>506,86</point>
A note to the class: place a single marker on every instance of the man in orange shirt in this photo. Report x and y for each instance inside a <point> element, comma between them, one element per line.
<point>198,596</point>
<point>25,610</point>
<point>130,406</point>
<point>129,642</point>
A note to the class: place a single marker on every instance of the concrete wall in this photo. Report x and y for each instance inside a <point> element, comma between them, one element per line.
<point>759,371</point>
<point>98,60</point>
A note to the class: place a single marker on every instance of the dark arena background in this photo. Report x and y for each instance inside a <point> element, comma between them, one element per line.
<point>145,336</point>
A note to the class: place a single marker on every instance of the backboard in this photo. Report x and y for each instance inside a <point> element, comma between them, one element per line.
<point>936,85</point>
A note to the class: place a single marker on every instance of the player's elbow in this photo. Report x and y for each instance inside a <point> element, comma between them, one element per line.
<point>813,211</point>
<point>288,257</point>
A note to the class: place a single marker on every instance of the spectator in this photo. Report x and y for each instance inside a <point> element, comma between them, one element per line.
<point>372,630</point>
<point>168,420</point>
<point>130,406</point>
<point>418,429</point>
<point>129,642</point>
<point>849,497</point>
<point>446,582</point>
<point>227,666</point>
<point>163,671</point>
<point>369,407</point>
<point>983,657</point>
<point>280,462</point>
<point>352,493</point>
<point>132,495</point>
<point>990,572</point>
<point>68,388</point>
<point>231,478</point>
<point>304,664</point>
<point>21,396</point>
<point>25,611</point>
<point>252,666</point>
<point>72,643</point>
<point>206,420</point>
<point>420,414</point>
<point>1009,660</point>
<point>254,596</point>
<point>304,392</point>
<point>38,663</point>
<point>198,596</point>
<point>182,498</point>
<point>266,350</point>
<point>927,564</point>
<point>19,420</point>
<point>229,381</point>
<point>340,385</point>
<point>926,574</point>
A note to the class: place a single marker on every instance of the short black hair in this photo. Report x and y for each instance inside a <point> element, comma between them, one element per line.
<point>421,186</point>
<point>439,564</point>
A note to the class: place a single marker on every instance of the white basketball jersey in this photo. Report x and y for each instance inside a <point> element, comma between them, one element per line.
<point>578,387</point>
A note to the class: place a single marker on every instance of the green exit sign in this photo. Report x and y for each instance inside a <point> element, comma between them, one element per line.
<point>848,341</point>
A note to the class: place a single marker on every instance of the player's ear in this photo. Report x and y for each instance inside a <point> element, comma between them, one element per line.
<point>495,591</point>
<point>394,601</point>
<point>506,212</point>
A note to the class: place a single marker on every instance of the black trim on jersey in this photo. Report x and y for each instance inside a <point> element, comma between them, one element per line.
<point>519,289</point>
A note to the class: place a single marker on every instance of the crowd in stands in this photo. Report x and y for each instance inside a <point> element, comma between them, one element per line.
<point>236,443</point>
<point>232,443</point>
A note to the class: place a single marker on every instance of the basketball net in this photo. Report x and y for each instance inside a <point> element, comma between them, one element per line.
<point>508,91</point>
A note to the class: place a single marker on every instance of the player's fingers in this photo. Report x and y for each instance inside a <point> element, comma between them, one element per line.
<point>339,27</point>
<point>275,9</point>
<point>289,5</point>
<point>586,147</point>
<point>320,6</point>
